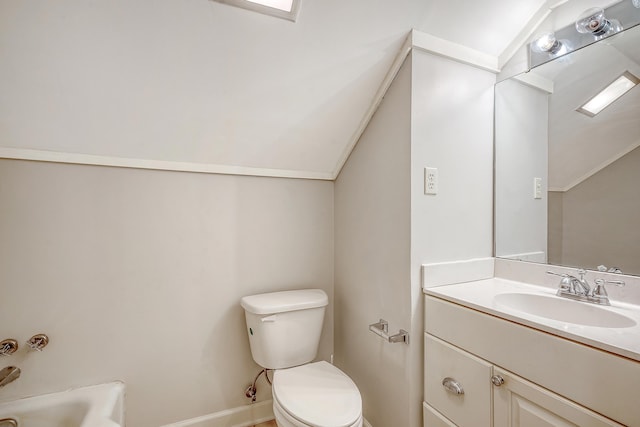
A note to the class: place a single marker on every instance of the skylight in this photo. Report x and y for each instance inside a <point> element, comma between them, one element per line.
<point>286,9</point>
<point>285,5</point>
<point>610,94</point>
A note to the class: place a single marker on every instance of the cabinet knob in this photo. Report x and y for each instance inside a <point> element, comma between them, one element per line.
<point>497,380</point>
<point>452,386</point>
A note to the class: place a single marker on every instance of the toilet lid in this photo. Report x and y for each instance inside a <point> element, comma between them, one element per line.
<point>318,394</point>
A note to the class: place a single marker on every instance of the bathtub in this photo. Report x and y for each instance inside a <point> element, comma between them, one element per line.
<point>93,406</point>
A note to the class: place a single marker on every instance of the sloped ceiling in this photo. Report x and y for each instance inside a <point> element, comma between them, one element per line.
<point>203,82</point>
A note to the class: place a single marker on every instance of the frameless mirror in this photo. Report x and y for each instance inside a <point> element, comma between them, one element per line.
<point>567,184</point>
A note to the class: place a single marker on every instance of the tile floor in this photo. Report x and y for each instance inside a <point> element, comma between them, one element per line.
<point>271,423</point>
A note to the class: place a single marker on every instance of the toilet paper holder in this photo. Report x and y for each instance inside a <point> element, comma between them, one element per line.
<point>381,328</point>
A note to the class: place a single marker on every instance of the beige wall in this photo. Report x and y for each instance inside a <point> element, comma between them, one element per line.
<point>600,218</point>
<point>554,232</point>
<point>372,256</point>
<point>136,275</point>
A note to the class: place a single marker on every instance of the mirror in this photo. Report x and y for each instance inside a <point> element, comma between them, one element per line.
<point>567,185</point>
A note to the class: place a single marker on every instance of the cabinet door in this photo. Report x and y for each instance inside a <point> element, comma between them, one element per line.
<point>448,367</point>
<point>520,403</point>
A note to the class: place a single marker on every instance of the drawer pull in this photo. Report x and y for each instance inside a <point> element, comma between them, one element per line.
<point>452,386</point>
<point>497,380</point>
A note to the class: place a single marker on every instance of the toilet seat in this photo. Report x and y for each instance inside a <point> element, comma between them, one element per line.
<point>317,395</point>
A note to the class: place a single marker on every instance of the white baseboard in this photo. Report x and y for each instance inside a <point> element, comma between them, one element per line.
<point>242,416</point>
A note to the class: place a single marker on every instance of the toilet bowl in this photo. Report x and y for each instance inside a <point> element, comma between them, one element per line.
<point>316,395</point>
<point>284,331</point>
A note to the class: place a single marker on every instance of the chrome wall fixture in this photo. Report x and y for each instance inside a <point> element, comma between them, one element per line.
<point>381,328</point>
<point>8,347</point>
<point>592,25</point>
<point>38,342</point>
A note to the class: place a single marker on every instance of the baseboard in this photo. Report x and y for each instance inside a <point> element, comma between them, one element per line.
<point>242,416</point>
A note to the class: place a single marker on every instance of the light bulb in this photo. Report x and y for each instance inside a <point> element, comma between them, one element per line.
<point>595,22</point>
<point>547,43</point>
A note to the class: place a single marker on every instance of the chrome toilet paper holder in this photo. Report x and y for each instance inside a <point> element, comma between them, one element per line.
<point>381,328</point>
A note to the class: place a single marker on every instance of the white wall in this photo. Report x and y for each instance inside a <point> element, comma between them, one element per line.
<point>386,227</point>
<point>372,255</point>
<point>521,155</point>
<point>452,130</point>
<point>136,275</point>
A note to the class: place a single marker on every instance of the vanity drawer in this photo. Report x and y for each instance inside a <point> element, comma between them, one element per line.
<point>432,418</point>
<point>472,408</point>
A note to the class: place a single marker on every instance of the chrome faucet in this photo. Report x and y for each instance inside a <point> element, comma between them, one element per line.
<point>8,375</point>
<point>578,289</point>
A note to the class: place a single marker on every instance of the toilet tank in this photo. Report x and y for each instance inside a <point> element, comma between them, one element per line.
<point>284,328</point>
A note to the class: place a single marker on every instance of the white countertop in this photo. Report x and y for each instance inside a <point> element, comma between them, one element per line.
<point>479,295</point>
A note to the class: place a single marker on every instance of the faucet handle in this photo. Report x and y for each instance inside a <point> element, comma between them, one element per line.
<point>38,342</point>
<point>599,290</point>
<point>8,347</point>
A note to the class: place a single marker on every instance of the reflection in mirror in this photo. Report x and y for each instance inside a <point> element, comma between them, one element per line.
<point>567,188</point>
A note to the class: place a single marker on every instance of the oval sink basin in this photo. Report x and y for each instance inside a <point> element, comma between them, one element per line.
<point>564,310</point>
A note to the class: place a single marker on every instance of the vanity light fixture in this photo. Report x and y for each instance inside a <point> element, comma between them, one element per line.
<point>286,9</point>
<point>595,22</point>
<point>609,94</point>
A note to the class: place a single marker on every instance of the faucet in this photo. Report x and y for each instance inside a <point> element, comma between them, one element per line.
<point>579,289</point>
<point>8,375</point>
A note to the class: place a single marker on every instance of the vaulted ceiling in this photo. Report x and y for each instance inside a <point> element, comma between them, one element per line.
<point>202,82</point>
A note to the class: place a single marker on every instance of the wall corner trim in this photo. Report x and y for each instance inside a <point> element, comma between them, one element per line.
<point>535,81</point>
<point>457,52</point>
<point>123,162</point>
<point>427,43</point>
<point>377,100</point>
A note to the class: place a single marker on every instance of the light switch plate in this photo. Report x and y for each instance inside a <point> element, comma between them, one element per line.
<point>537,188</point>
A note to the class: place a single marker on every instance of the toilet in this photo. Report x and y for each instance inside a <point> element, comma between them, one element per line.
<point>284,331</point>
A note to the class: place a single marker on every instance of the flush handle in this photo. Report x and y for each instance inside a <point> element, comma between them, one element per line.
<point>452,386</point>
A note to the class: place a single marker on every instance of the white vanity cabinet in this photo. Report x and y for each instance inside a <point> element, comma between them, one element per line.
<point>540,379</point>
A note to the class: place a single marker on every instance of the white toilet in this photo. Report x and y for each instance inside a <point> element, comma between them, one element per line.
<point>284,332</point>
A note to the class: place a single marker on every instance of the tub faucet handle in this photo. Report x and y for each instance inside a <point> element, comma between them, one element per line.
<point>38,342</point>
<point>8,347</point>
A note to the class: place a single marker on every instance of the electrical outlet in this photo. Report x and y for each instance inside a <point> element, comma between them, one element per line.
<point>430,181</point>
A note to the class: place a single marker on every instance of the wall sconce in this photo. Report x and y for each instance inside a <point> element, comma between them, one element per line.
<point>595,22</point>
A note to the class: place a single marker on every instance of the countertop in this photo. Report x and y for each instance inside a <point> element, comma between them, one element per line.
<point>479,295</point>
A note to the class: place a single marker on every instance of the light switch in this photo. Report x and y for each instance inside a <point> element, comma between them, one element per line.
<point>537,188</point>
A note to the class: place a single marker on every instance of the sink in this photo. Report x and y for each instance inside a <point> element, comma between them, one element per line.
<point>92,406</point>
<point>563,310</point>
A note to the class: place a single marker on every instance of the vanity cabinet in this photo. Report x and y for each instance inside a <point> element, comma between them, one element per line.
<point>540,379</point>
